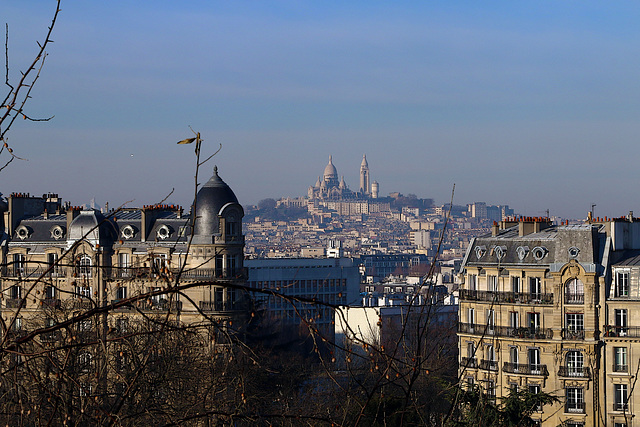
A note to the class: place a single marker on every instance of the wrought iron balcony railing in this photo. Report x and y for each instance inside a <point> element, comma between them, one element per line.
<point>15,302</point>
<point>506,297</point>
<point>526,369</point>
<point>505,331</point>
<point>574,372</point>
<point>574,407</point>
<point>469,362</point>
<point>489,365</point>
<point>573,334</point>
<point>216,305</point>
<point>621,331</point>
<point>570,298</point>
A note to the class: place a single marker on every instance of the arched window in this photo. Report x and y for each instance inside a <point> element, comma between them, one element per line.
<point>574,292</point>
<point>84,362</point>
<point>83,265</point>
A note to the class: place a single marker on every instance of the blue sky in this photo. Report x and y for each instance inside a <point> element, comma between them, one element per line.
<point>534,104</point>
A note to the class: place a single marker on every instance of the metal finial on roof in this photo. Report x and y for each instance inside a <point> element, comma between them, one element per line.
<point>215,170</point>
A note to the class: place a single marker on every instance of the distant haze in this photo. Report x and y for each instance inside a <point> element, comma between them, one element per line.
<point>534,104</point>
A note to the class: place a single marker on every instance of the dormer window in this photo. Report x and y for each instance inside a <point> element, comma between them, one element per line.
<point>539,252</point>
<point>57,232</point>
<point>163,232</point>
<point>128,232</point>
<point>22,232</point>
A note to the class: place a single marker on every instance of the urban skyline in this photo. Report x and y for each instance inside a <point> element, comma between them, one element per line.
<point>492,98</point>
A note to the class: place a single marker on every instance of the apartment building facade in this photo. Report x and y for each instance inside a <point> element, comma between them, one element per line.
<point>550,308</point>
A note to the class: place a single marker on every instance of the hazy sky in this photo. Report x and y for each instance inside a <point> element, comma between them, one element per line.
<point>534,104</point>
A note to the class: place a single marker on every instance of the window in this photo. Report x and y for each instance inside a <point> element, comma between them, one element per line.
<point>622,284</point>
<point>575,364</point>
<point>121,293</point>
<point>231,227</point>
<point>515,284</point>
<point>15,292</point>
<point>620,359</point>
<point>621,397</point>
<point>84,291</point>
<point>574,292</point>
<point>19,262</point>
<point>471,350</point>
<point>85,390</point>
<point>83,266</point>
<point>491,389</point>
<point>513,354</point>
<point>49,292</point>
<point>159,263</point>
<point>219,265</point>
<point>534,361</point>
<point>575,325</point>
<point>473,282</point>
<point>52,261</point>
<point>621,322</point>
<point>124,263</point>
<point>535,288</point>
<point>534,322</point>
<point>574,399</point>
<point>492,283</point>
<point>513,320</point>
<point>491,320</point>
<point>535,389</point>
<point>491,356</point>
<point>232,266</point>
<point>472,316</point>
<point>84,362</point>
<point>470,383</point>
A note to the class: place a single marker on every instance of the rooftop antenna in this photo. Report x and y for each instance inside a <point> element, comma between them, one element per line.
<point>593,210</point>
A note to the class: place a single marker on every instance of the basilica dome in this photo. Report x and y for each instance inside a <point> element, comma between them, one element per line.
<point>330,171</point>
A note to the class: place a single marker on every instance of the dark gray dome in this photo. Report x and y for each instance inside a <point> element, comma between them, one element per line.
<point>210,199</point>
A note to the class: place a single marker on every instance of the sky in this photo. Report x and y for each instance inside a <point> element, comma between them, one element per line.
<point>534,104</point>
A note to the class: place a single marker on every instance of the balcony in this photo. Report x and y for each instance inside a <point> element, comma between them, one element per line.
<point>574,407</point>
<point>50,303</point>
<point>622,331</point>
<point>489,365</point>
<point>504,331</point>
<point>506,297</point>
<point>526,369</point>
<point>33,272</point>
<point>127,307</point>
<point>192,274</point>
<point>216,305</point>
<point>573,334</point>
<point>469,362</point>
<point>15,303</point>
<point>50,337</point>
<point>570,298</point>
<point>574,372</point>
<point>161,305</point>
<point>82,304</point>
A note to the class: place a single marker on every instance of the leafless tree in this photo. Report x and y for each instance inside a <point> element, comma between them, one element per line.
<point>18,91</point>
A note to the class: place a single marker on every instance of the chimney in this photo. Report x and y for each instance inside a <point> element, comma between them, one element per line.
<point>72,213</point>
